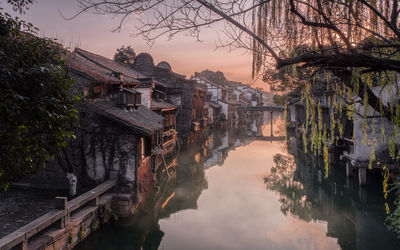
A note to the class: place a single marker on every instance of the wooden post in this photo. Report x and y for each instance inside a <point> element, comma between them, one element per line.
<point>272,132</point>
<point>165,164</point>
<point>61,203</point>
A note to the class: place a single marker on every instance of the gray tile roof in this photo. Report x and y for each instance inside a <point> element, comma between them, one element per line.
<point>143,119</point>
<point>83,65</point>
<point>158,105</point>
<point>109,64</point>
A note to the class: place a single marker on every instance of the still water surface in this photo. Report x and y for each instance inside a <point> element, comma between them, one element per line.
<point>229,193</point>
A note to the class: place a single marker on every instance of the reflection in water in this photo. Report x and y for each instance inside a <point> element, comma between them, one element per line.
<point>355,216</point>
<point>218,200</point>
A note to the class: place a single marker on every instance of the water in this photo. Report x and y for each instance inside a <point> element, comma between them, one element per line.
<point>231,192</point>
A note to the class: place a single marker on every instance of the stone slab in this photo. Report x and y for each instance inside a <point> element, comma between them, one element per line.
<point>81,214</point>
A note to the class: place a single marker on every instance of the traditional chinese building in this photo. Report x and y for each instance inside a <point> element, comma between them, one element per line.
<point>173,88</point>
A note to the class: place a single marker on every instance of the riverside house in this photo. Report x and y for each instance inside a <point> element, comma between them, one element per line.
<point>174,88</point>
<point>121,132</point>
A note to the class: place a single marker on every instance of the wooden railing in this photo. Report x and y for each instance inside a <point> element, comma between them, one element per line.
<point>59,217</point>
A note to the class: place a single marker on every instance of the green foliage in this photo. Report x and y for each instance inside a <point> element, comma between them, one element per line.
<point>95,225</point>
<point>393,219</point>
<point>125,55</point>
<point>292,194</point>
<point>279,99</point>
<point>217,77</point>
<point>37,107</point>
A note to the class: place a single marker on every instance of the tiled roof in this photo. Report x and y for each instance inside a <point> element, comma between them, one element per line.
<point>158,105</point>
<point>76,62</point>
<point>89,69</point>
<point>142,119</point>
<point>109,64</point>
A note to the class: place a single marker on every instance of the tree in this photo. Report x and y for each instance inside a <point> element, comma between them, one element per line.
<point>37,106</point>
<point>125,55</point>
<point>340,35</point>
<point>217,77</point>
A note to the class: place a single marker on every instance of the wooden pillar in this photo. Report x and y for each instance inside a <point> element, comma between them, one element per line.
<point>362,176</point>
<point>272,132</point>
<point>61,203</point>
<point>349,169</point>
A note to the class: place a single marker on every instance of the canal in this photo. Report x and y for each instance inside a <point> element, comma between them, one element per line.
<point>235,190</point>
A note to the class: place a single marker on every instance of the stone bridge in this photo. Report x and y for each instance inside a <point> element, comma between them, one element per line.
<point>262,108</point>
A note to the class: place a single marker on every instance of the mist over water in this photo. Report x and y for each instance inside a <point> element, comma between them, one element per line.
<point>234,192</point>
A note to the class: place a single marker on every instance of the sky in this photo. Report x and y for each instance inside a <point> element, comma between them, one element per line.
<point>94,33</point>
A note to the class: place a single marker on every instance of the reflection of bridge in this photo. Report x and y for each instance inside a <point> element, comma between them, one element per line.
<point>266,138</point>
<point>269,138</point>
<point>262,108</point>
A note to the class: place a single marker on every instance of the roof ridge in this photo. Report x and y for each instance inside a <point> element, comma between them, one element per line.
<point>123,66</point>
<point>93,61</point>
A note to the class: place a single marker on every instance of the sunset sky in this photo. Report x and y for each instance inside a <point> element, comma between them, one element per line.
<point>93,33</point>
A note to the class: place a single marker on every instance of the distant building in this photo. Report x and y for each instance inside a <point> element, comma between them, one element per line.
<point>175,89</point>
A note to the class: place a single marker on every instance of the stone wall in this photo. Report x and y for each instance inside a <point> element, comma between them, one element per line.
<point>101,146</point>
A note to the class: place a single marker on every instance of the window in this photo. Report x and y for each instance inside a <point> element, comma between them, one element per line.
<point>138,99</point>
<point>130,99</point>
<point>96,90</point>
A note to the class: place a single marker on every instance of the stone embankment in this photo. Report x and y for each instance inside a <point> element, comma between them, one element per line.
<point>68,223</point>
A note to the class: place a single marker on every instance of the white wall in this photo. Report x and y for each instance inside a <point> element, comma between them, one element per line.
<point>211,113</point>
<point>224,108</point>
<point>146,96</point>
<point>362,151</point>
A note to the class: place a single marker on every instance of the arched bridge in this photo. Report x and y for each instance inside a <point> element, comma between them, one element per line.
<point>262,108</point>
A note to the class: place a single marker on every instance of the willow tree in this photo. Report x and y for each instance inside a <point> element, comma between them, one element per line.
<point>352,44</point>
<point>342,36</point>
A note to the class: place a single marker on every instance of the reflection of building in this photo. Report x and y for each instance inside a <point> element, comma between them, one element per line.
<point>354,216</point>
<point>179,192</point>
<point>214,141</point>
